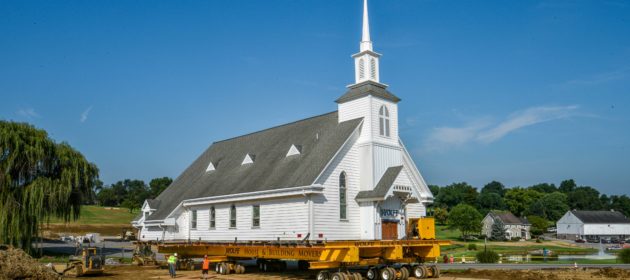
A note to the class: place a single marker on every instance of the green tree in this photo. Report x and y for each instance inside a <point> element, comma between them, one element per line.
<point>567,186</point>
<point>544,188</point>
<point>494,187</point>
<point>539,225</point>
<point>466,219</point>
<point>435,190</point>
<point>456,193</point>
<point>584,198</point>
<point>497,231</point>
<point>137,193</point>
<point>621,204</point>
<point>107,197</point>
<point>39,179</point>
<point>440,215</point>
<point>158,185</point>
<point>490,201</point>
<point>518,199</point>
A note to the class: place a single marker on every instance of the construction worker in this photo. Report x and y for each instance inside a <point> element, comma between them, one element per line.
<point>172,265</point>
<point>205,266</point>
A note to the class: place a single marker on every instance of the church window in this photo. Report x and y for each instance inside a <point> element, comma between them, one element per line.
<point>383,121</point>
<point>372,68</point>
<point>233,216</point>
<point>361,69</point>
<point>342,196</point>
<point>256,216</point>
<point>213,217</point>
<point>193,220</point>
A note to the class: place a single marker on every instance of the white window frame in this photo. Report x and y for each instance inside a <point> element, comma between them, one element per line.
<point>383,121</point>
<point>343,196</point>
<point>212,217</point>
<point>254,218</point>
<point>233,216</point>
<point>193,219</point>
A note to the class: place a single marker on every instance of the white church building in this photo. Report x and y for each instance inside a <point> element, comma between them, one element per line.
<point>343,175</point>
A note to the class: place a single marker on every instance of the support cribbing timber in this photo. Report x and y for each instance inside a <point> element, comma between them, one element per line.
<point>320,255</point>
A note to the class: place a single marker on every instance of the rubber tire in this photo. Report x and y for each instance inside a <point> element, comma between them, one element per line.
<point>239,269</point>
<point>323,275</point>
<point>435,270</point>
<point>374,273</point>
<point>223,269</point>
<point>357,276</point>
<point>386,274</point>
<point>216,267</point>
<point>420,272</point>
<point>338,276</point>
<point>404,273</point>
<point>393,270</point>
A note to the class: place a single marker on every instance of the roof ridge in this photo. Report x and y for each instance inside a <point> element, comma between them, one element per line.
<point>274,127</point>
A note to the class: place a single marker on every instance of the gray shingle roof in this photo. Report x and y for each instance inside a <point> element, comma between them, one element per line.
<point>320,137</point>
<point>153,203</point>
<point>383,185</point>
<point>367,88</point>
<point>601,217</point>
<point>508,218</point>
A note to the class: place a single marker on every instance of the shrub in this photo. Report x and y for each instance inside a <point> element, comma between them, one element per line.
<point>538,240</point>
<point>516,239</point>
<point>624,256</point>
<point>472,247</point>
<point>488,256</point>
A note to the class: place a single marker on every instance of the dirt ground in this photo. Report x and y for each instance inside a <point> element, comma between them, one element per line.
<point>135,272</point>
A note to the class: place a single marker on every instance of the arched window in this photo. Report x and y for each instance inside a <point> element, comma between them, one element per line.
<point>383,121</point>
<point>361,69</point>
<point>372,68</point>
<point>233,216</point>
<point>342,196</point>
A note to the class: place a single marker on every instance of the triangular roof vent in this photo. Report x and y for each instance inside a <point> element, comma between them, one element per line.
<point>210,167</point>
<point>294,150</point>
<point>249,158</point>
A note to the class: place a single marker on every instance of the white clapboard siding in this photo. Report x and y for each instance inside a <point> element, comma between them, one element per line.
<point>326,208</point>
<point>358,108</point>
<point>385,156</point>
<point>279,218</point>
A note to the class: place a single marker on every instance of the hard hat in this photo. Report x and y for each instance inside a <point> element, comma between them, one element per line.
<point>175,254</point>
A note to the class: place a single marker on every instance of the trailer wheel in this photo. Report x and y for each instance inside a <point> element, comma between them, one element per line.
<point>372,274</point>
<point>323,275</point>
<point>224,269</point>
<point>420,271</point>
<point>386,273</point>
<point>357,276</point>
<point>435,271</point>
<point>403,273</point>
<point>338,276</point>
<point>239,269</point>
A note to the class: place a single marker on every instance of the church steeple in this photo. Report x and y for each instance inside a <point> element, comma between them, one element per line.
<point>366,61</point>
<point>366,43</point>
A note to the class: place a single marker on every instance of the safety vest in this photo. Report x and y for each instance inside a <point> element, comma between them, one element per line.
<point>206,264</point>
<point>172,259</point>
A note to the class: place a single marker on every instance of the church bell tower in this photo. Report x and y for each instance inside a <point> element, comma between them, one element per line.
<point>369,99</point>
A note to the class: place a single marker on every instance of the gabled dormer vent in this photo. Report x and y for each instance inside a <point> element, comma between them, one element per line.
<point>249,158</point>
<point>294,150</point>
<point>210,167</point>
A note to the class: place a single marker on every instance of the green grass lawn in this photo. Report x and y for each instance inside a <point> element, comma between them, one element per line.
<point>444,233</point>
<point>101,215</point>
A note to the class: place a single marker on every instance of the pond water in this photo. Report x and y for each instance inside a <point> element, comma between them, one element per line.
<point>600,255</point>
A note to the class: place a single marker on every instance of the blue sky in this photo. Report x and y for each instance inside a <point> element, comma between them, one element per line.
<point>517,91</point>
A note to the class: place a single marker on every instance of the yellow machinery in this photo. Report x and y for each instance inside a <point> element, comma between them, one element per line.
<point>384,259</point>
<point>421,228</point>
<point>88,263</point>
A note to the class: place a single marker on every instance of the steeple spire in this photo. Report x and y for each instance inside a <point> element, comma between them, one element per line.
<point>366,61</point>
<point>366,43</point>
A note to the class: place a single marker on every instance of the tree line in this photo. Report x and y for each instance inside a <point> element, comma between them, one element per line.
<point>461,206</point>
<point>128,193</point>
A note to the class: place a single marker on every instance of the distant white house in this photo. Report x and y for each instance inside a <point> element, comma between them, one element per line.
<point>593,224</point>
<point>514,226</point>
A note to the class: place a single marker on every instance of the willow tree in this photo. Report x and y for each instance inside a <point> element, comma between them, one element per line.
<point>39,179</point>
